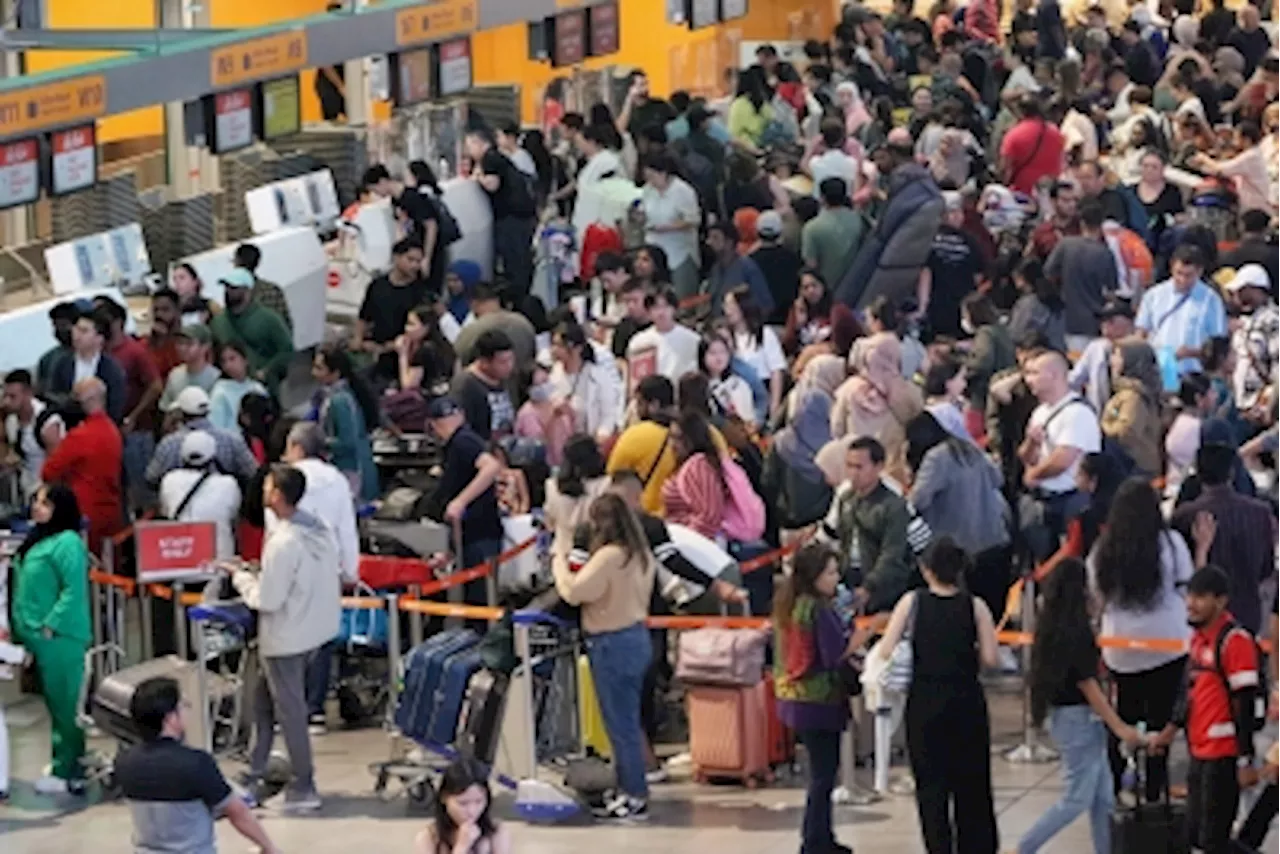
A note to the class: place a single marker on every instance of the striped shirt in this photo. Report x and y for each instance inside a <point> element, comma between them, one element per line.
<point>1173,320</point>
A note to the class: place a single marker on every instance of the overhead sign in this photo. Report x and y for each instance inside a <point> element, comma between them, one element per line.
<point>75,160</point>
<point>257,59</point>
<point>77,99</point>
<point>604,29</point>
<point>570,38</point>
<point>168,550</point>
<point>434,21</point>
<point>232,120</point>
<point>413,75</point>
<point>455,67</point>
<point>19,172</point>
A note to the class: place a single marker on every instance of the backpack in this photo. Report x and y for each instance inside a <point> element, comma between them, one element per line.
<point>744,512</point>
<point>449,230</point>
<point>1263,690</point>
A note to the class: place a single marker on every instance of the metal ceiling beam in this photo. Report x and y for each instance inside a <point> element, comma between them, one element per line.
<point>141,41</point>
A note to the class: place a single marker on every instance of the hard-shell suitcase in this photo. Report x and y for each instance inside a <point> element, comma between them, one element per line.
<point>450,694</point>
<point>1159,828</point>
<point>480,723</point>
<point>728,733</point>
<point>594,735</point>
<point>781,740</point>
<point>423,667</point>
<point>109,705</point>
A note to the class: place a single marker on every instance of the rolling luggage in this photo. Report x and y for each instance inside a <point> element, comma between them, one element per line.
<point>595,737</point>
<point>727,657</point>
<point>423,669</point>
<point>728,732</point>
<point>109,705</point>
<point>480,723</point>
<point>1143,827</point>
<point>451,693</point>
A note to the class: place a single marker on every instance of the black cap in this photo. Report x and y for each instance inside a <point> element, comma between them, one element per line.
<point>442,407</point>
<point>1115,307</point>
<point>1209,581</point>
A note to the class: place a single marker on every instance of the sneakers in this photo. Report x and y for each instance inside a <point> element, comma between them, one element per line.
<point>51,785</point>
<point>657,775</point>
<point>620,807</point>
<point>296,801</point>
<point>317,724</point>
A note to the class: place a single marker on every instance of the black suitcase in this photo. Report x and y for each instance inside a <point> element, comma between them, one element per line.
<point>1149,828</point>
<point>480,723</point>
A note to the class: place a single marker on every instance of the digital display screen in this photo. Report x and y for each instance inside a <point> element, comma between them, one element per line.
<point>75,160</point>
<point>281,107</point>
<point>232,120</point>
<point>604,29</point>
<point>732,9</point>
<point>570,46</point>
<point>413,77</point>
<point>455,66</point>
<point>19,172</point>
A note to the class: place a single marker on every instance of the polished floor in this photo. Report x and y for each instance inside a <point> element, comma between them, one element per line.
<point>686,818</point>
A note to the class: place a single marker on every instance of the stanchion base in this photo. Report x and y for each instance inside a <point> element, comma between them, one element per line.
<point>855,797</point>
<point>1031,754</point>
<point>538,801</point>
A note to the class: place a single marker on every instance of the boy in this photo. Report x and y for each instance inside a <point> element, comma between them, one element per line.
<point>1218,712</point>
<point>175,792</point>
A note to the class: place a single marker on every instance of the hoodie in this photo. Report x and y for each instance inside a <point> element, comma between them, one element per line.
<point>298,594</point>
<point>469,272</point>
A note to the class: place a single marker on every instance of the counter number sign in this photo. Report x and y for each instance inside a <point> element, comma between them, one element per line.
<point>75,159</point>
<point>430,22</point>
<point>257,59</point>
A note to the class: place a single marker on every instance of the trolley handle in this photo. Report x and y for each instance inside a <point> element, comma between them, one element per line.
<point>529,617</point>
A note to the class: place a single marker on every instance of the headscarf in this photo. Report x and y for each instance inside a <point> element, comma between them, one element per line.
<point>745,221</point>
<point>1186,31</point>
<point>810,428</point>
<point>830,459</point>
<point>845,329</point>
<point>469,273</point>
<point>855,114</point>
<point>1138,362</point>
<point>823,374</point>
<point>880,360</point>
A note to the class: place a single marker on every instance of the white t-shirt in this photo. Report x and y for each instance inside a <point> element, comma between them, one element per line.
<point>23,438</point>
<point>678,203</point>
<point>834,163</point>
<point>86,368</point>
<point>217,501</point>
<point>677,349</point>
<point>1072,423</point>
<point>1165,617</point>
<point>764,354</point>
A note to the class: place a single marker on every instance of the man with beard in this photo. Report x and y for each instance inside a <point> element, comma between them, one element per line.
<point>258,329</point>
<point>63,316</point>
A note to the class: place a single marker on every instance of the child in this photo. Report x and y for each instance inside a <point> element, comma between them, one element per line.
<point>463,824</point>
<point>543,417</point>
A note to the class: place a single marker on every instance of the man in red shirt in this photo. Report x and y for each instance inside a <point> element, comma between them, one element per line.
<point>1064,223</point>
<point>142,390</point>
<point>89,460</point>
<point>1032,149</point>
<point>1218,712</point>
<point>166,322</point>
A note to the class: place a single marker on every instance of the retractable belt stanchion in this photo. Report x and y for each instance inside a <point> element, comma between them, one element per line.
<point>393,653</point>
<point>1030,751</point>
<point>415,617</point>
<point>144,612</point>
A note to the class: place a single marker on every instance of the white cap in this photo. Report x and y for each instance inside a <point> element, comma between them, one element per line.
<point>198,448</point>
<point>1249,276</point>
<point>192,400</point>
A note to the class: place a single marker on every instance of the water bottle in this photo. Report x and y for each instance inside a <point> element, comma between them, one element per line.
<point>1129,777</point>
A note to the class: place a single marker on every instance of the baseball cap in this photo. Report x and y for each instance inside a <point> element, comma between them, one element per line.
<point>196,332</point>
<point>442,407</point>
<point>198,447</point>
<point>1249,276</point>
<point>769,224</point>
<point>1115,308</point>
<point>192,400</point>
<point>237,278</point>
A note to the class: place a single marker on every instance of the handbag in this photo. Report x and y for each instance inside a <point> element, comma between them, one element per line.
<point>732,657</point>
<point>366,627</point>
<point>896,677</point>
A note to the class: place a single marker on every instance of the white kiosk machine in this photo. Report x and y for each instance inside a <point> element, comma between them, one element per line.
<point>112,258</point>
<point>309,200</point>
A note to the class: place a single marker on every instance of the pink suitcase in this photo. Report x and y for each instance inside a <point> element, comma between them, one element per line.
<point>728,733</point>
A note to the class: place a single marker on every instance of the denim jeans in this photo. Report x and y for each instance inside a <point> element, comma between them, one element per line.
<point>823,749</point>
<point>618,664</point>
<point>1082,740</point>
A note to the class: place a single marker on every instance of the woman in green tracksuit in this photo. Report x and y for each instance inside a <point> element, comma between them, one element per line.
<point>347,412</point>
<point>50,605</point>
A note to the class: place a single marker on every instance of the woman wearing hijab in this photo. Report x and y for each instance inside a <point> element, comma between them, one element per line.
<point>1132,415</point>
<point>460,279</point>
<point>791,472</point>
<point>876,401</point>
<point>855,111</point>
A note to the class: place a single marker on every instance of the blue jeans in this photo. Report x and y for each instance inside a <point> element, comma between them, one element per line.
<point>1082,740</point>
<point>139,445</point>
<point>823,749</point>
<point>475,553</point>
<point>618,664</point>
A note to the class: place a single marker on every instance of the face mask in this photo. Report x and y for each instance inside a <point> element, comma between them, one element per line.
<point>967,325</point>
<point>540,393</point>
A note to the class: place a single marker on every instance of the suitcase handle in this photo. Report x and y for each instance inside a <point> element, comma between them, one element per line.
<point>530,617</point>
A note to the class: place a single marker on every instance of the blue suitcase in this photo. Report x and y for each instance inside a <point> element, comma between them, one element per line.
<point>450,695</point>
<point>423,668</point>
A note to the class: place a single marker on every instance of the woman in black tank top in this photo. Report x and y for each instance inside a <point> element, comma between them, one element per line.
<point>948,737</point>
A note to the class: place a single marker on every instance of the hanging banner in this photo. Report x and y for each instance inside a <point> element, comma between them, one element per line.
<point>19,172</point>
<point>75,160</point>
<point>77,99</point>
<point>258,59</point>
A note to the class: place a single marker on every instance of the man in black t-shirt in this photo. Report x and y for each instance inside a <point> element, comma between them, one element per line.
<point>387,304</point>
<point>955,263</point>
<point>514,211</point>
<point>480,389</point>
<point>635,318</point>
<point>176,791</point>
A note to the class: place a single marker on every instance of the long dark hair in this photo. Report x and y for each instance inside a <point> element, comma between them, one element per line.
<point>65,517</point>
<point>1106,472</point>
<point>753,86</point>
<point>1127,558</point>
<point>582,462</point>
<point>693,393</point>
<point>661,266</point>
<point>442,353</point>
<point>336,359</point>
<point>257,418</point>
<point>810,562</point>
<point>695,432</point>
<point>1062,627</point>
<point>423,176</point>
<point>752,314</point>
<point>1046,289</point>
<point>457,778</point>
<point>924,433</point>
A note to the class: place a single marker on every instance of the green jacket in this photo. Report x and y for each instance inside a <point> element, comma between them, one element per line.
<point>264,336</point>
<point>877,524</point>
<point>51,590</point>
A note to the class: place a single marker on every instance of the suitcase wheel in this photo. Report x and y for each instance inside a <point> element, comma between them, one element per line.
<point>421,797</point>
<point>700,778</point>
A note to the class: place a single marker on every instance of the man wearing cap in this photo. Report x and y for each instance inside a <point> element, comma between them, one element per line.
<point>196,371</point>
<point>1257,246</point>
<point>88,358</point>
<point>231,453</point>
<point>89,460</point>
<point>262,332</point>
<point>466,490</point>
<point>780,265</point>
<point>199,492</point>
<point>1256,341</point>
<point>1091,373</point>
<point>951,274</point>
<point>266,294</point>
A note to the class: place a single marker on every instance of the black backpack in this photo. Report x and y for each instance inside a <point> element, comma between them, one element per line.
<point>449,232</point>
<point>1263,689</point>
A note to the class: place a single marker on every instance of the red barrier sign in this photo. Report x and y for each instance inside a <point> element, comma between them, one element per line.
<point>169,550</point>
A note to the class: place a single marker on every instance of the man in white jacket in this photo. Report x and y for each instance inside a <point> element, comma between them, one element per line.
<point>327,497</point>
<point>298,597</point>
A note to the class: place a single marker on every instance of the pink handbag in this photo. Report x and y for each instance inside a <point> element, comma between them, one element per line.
<point>729,657</point>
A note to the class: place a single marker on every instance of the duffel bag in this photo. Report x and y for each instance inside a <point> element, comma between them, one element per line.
<point>722,656</point>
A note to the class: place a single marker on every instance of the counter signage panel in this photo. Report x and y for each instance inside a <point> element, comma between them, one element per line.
<point>75,160</point>
<point>19,172</point>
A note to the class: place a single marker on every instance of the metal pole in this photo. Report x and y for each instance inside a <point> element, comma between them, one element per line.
<point>180,623</point>
<point>97,613</point>
<point>202,688</point>
<point>521,689</point>
<point>144,613</point>
<point>415,617</point>
<point>1030,751</point>
<point>393,656</point>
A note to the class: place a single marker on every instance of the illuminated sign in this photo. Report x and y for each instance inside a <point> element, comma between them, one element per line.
<point>75,160</point>
<point>19,172</point>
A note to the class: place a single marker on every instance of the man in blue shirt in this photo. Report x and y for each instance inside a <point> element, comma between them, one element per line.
<point>730,269</point>
<point>1179,315</point>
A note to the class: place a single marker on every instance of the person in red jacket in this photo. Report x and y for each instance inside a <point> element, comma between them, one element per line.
<point>89,459</point>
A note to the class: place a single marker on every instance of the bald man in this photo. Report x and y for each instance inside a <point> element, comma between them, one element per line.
<point>89,460</point>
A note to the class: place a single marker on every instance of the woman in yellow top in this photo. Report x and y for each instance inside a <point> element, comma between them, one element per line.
<point>614,589</point>
<point>750,112</point>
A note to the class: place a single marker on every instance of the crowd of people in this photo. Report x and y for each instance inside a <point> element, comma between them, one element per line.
<point>948,304</point>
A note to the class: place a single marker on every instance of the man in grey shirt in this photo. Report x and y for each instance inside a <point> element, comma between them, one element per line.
<point>1087,271</point>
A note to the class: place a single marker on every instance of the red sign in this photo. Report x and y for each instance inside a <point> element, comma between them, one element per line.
<point>168,550</point>
<point>233,120</point>
<point>455,66</point>
<point>640,365</point>
<point>19,173</point>
<point>75,159</point>
<point>604,29</point>
<point>571,38</point>
<point>333,278</point>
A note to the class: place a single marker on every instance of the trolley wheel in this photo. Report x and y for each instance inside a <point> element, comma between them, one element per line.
<point>380,783</point>
<point>752,783</point>
<point>700,778</point>
<point>420,797</point>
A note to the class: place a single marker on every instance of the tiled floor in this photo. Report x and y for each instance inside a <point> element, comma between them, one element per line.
<point>686,818</point>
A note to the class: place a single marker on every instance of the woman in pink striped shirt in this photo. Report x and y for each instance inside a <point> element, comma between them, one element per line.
<point>695,495</point>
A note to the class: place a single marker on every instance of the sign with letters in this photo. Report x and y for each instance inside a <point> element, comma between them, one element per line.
<point>19,172</point>
<point>434,21</point>
<point>75,160</point>
<point>70,101</point>
<point>258,59</point>
<point>169,550</point>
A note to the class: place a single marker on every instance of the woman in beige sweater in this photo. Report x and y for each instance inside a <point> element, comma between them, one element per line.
<point>613,589</point>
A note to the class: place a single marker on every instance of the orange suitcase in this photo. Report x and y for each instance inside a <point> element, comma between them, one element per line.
<point>728,733</point>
